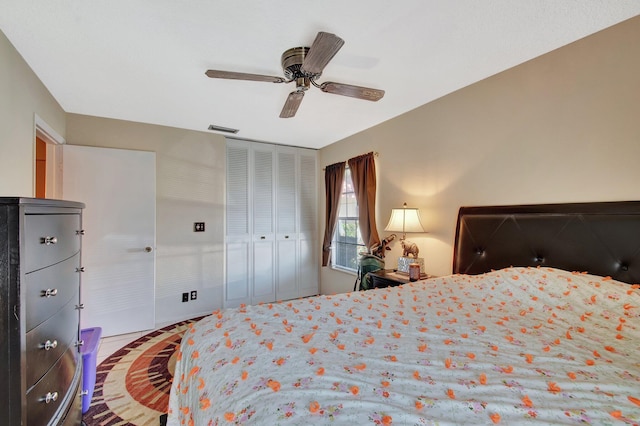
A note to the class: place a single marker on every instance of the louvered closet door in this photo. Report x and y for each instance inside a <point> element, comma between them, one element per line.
<point>271,223</point>
<point>237,241</point>
<point>287,227</point>
<point>309,262</point>
<point>263,224</point>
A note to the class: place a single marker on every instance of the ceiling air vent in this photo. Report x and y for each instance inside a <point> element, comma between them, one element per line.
<point>222,129</point>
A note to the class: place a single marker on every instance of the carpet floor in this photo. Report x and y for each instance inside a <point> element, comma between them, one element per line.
<point>133,384</point>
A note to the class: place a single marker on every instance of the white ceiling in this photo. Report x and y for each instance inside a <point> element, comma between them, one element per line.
<point>144,60</point>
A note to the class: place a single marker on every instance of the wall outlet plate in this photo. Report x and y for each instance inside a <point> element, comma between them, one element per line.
<point>198,226</point>
<point>194,294</point>
<point>185,297</point>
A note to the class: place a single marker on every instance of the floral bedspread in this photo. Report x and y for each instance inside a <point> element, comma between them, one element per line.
<point>515,346</point>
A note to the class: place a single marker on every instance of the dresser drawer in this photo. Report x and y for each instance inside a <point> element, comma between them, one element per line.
<point>73,417</point>
<point>56,383</point>
<point>50,239</point>
<point>61,281</point>
<point>60,331</point>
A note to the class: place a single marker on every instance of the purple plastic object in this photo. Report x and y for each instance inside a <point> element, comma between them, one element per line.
<point>89,350</point>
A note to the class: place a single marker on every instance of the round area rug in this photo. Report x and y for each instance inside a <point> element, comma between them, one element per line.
<point>133,384</point>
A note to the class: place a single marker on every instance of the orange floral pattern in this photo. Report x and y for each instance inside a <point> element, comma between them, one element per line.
<point>515,346</point>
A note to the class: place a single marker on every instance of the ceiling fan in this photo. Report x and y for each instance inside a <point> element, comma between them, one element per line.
<point>304,65</point>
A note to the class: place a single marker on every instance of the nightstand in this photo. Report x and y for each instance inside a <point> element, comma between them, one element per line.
<point>390,278</point>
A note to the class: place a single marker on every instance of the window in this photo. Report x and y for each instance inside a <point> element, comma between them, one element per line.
<point>347,242</point>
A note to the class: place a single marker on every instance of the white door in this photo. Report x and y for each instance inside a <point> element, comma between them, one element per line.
<point>263,224</point>
<point>118,248</point>
<point>286,226</point>
<point>238,227</point>
<point>309,261</point>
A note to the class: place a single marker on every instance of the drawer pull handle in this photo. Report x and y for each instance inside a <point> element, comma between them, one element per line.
<point>286,236</point>
<point>49,240</point>
<point>50,397</point>
<point>262,237</point>
<point>80,269</point>
<point>50,292</point>
<point>50,345</point>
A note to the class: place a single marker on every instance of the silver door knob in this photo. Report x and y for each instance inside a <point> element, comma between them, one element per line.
<point>148,249</point>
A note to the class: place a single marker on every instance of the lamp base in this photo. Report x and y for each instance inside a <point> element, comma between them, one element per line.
<point>404,262</point>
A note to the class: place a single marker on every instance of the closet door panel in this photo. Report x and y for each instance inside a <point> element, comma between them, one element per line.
<point>237,191</point>
<point>309,267</point>
<point>286,193</point>
<point>238,273</point>
<point>238,278</point>
<point>287,287</point>
<point>263,192</point>
<point>286,224</point>
<point>263,189</point>
<point>263,272</point>
<point>309,261</point>
<point>308,194</point>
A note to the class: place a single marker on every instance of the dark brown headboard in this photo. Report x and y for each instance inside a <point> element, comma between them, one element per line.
<point>599,238</point>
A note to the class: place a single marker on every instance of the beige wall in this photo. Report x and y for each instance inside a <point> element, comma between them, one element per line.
<point>190,185</point>
<point>564,127</point>
<point>22,96</point>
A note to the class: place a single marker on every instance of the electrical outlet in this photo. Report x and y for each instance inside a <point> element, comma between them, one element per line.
<point>185,297</point>
<point>194,294</point>
<point>198,226</point>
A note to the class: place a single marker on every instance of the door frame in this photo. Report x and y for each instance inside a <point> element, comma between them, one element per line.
<point>54,141</point>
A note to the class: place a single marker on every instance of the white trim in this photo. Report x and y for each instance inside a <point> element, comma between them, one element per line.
<point>46,132</point>
<point>349,271</point>
<point>54,143</point>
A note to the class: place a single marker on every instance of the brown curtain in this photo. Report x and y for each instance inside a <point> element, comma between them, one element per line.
<point>363,175</point>
<point>333,180</point>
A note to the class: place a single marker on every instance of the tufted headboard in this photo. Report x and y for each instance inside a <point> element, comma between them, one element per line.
<point>599,238</point>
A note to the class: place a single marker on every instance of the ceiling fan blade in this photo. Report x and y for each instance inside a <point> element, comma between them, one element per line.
<point>324,47</point>
<point>231,75</point>
<point>291,105</point>
<point>366,93</point>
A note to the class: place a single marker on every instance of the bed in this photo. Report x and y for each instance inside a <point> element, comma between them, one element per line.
<point>539,323</point>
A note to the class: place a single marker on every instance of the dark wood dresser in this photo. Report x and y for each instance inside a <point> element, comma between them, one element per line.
<point>40,362</point>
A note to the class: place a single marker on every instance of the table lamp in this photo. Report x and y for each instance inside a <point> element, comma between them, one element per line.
<point>405,220</point>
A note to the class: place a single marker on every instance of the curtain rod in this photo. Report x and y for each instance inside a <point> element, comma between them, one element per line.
<point>375,154</point>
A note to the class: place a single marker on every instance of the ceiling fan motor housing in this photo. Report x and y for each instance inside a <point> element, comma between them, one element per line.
<point>292,60</point>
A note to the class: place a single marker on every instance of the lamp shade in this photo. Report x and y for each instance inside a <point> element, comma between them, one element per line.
<point>404,220</point>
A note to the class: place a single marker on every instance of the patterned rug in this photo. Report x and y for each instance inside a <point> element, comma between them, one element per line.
<point>133,384</point>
